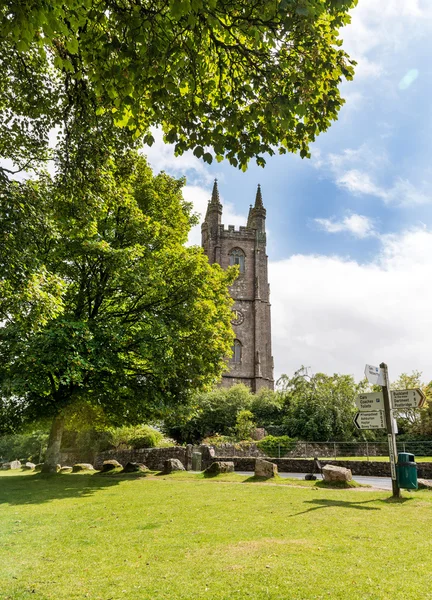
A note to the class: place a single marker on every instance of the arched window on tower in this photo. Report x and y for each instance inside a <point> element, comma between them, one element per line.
<point>237,257</point>
<point>237,352</point>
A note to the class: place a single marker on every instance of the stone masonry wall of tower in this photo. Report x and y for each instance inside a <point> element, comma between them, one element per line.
<point>252,361</point>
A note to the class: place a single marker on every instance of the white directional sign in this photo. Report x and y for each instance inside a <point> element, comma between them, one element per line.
<point>370,420</point>
<point>374,375</point>
<point>367,402</point>
<point>407,399</point>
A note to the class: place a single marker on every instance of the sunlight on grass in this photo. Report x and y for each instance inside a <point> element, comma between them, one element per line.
<point>183,537</point>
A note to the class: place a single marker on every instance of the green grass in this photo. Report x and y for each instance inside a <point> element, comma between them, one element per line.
<point>186,537</point>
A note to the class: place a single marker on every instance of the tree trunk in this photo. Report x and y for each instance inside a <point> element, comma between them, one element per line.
<point>53,451</point>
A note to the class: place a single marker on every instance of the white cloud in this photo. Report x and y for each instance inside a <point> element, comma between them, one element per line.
<point>337,315</point>
<point>358,182</point>
<point>358,225</point>
<point>358,171</point>
<point>389,25</point>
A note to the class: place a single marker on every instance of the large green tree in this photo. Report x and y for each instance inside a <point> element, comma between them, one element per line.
<point>319,407</point>
<point>243,77</point>
<point>101,301</point>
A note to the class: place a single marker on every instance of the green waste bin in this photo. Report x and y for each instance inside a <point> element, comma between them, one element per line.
<point>406,470</point>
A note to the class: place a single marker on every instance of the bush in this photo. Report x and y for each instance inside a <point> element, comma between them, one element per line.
<point>273,445</point>
<point>139,436</point>
<point>147,438</point>
<point>217,440</point>
<point>245,425</point>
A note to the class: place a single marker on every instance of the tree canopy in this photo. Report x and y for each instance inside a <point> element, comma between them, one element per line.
<point>319,407</point>
<point>225,78</point>
<point>100,300</point>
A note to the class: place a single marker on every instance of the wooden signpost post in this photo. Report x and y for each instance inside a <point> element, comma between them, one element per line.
<point>391,434</point>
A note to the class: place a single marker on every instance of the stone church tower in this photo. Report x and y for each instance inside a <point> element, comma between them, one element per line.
<point>252,361</point>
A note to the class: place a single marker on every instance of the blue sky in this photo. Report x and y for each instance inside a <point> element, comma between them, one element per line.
<point>350,231</point>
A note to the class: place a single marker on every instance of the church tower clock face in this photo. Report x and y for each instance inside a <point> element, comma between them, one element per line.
<point>237,318</point>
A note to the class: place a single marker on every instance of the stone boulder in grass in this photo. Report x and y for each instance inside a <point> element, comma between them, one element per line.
<point>82,467</point>
<point>173,464</point>
<point>424,484</point>
<point>29,466</point>
<point>133,467</point>
<point>265,468</point>
<point>334,474</point>
<point>218,467</point>
<point>65,469</point>
<point>110,465</point>
<point>13,464</point>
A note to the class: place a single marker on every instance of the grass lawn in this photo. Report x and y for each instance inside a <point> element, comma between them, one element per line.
<point>189,538</point>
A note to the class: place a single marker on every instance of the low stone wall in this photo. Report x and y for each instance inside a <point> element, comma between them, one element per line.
<point>246,449</point>
<point>358,467</point>
<point>153,458</point>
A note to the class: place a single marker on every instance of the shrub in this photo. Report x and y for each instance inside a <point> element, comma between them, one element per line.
<point>273,445</point>
<point>145,437</point>
<point>245,425</point>
<point>217,440</point>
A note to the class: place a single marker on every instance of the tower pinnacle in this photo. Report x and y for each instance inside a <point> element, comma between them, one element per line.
<point>215,194</point>
<point>258,199</point>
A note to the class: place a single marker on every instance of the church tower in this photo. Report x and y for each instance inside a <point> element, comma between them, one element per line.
<point>252,361</point>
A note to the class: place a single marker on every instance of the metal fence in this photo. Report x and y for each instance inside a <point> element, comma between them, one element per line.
<point>369,450</point>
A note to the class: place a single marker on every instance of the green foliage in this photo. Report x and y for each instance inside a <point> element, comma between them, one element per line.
<point>141,436</point>
<point>245,425</point>
<point>217,440</point>
<point>28,447</point>
<point>267,408</point>
<point>276,445</point>
<point>210,413</point>
<point>320,407</point>
<point>242,78</point>
<point>102,306</point>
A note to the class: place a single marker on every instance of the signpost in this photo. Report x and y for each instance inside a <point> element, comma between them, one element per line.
<point>372,401</point>
<point>371,419</point>
<point>376,411</point>
<point>407,399</point>
<point>390,430</point>
<point>374,375</point>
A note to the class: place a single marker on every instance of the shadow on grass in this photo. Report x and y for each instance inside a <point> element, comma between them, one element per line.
<point>39,488</point>
<point>320,503</point>
<point>255,479</point>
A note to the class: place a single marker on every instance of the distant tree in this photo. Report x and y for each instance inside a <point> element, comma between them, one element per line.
<point>29,446</point>
<point>210,413</point>
<point>416,422</point>
<point>245,425</point>
<point>267,408</point>
<point>100,301</point>
<point>423,426</point>
<point>242,77</point>
<point>319,407</point>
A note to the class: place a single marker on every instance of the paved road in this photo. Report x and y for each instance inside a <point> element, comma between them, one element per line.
<point>383,483</point>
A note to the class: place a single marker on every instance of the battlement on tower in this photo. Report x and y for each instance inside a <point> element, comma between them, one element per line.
<point>231,231</point>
